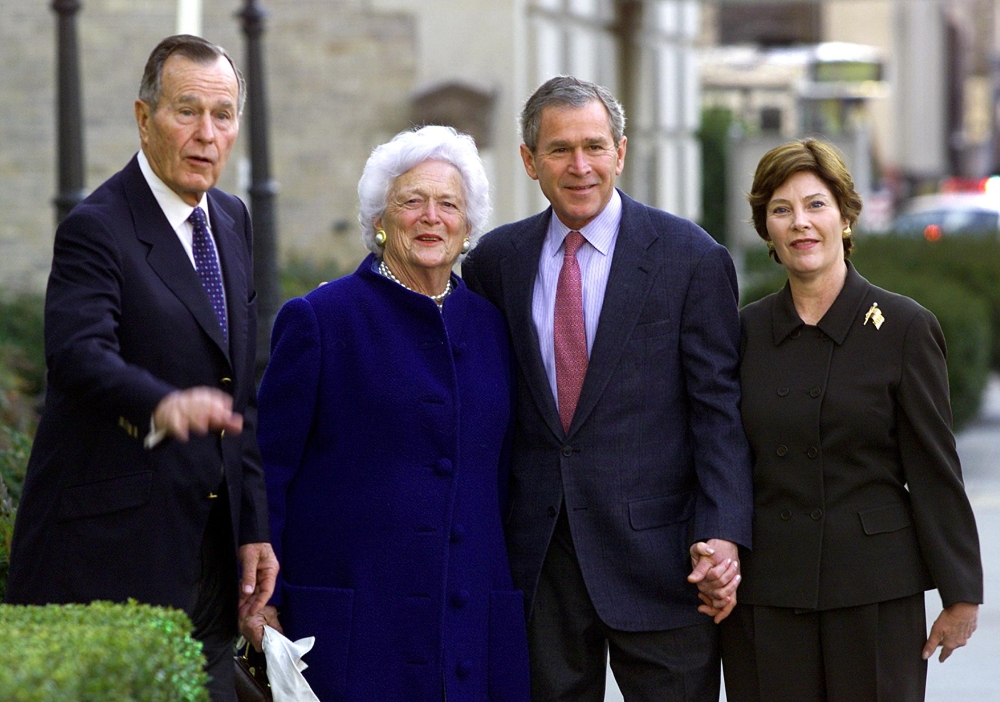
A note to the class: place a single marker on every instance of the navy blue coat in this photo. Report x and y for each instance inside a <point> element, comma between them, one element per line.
<point>655,457</point>
<point>383,424</point>
<point>127,321</point>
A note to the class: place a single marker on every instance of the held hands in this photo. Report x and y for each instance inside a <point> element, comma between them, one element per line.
<point>199,410</point>
<point>952,629</point>
<point>716,572</point>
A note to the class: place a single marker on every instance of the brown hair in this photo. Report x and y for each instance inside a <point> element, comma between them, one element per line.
<point>809,155</point>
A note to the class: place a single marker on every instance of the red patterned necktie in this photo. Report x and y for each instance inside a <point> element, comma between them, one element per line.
<point>207,265</point>
<point>569,331</point>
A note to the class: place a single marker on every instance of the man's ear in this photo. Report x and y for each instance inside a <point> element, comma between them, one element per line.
<point>529,162</point>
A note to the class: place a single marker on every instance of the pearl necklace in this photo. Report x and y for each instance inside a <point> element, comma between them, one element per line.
<point>438,299</point>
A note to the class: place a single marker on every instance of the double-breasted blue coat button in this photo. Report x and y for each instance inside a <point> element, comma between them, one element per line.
<point>816,514</point>
<point>786,514</point>
<point>463,669</point>
<point>782,391</point>
<point>551,511</point>
<point>812,452</point>
<point>459,598</point>
<point>567,451</point>
<point>781,450</point>
<point>457,533</point>
<point>814,392</point>
<point>443,467</point>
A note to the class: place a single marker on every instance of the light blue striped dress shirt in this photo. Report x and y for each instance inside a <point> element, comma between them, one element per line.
<point>594,258</point>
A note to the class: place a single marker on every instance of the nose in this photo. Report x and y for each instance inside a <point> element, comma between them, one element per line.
<point>800,219</point>
<point>580,163</point>
<point>431,213</point>
<point>206,128</point>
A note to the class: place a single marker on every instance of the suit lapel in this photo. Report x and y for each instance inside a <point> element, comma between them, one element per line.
<point>632,271</point>
<point>518,271</point>
<point>166,255</point>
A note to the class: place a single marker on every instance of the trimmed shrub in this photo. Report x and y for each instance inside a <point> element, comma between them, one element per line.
<point>22,342</point>
<point>7,514</point>
<point>101,651</point>
<point>300,276</point>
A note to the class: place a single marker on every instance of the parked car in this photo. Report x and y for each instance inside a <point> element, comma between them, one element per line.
<point>950,214</point>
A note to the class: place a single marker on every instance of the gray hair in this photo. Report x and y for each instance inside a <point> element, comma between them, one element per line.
<point>409,149</point>
<point>190,47</point>
<point>567,91</point>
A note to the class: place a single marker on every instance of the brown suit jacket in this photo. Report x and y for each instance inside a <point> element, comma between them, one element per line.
<point>858,493</point>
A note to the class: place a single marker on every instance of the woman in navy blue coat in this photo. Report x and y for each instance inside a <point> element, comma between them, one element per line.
<point>384,412</point>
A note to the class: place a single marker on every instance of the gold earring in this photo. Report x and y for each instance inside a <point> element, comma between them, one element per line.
<point>770,245</point>
<point>466,245</point>
<point>847,232</point>
<point>380,238</point>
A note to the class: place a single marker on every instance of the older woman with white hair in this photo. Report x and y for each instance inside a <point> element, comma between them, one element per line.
<point>384,414</point>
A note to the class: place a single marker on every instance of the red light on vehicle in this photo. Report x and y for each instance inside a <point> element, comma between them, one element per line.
<point>932,232</point>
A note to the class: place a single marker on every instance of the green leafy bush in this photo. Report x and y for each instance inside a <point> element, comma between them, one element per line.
<point>7,513</point>
<point>22,343</point>
<point>101,651</point>
<point>300,276</point>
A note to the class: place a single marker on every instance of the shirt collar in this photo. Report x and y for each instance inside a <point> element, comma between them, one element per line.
<point>837,321</point>
<point>600,232</point>
<point>174,208</point>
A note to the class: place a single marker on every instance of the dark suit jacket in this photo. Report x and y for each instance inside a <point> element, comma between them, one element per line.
<point>126,322</point>
<point>655,458</point>
<point>857,485</point>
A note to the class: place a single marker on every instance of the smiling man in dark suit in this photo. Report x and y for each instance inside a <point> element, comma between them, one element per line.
<point>144,480</point>
<point>631,481</point>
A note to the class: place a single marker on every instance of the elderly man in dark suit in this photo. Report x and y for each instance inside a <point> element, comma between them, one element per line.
<point>144,480</point>
<point>629,459</point>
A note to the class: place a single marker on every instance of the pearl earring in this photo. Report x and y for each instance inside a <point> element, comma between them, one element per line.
<point>380,238</point>
<point>466,245</point>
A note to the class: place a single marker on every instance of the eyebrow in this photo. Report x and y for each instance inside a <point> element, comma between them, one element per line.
<point>195,100</point>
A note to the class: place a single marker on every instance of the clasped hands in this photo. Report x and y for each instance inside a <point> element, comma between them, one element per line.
<point>716,571</point>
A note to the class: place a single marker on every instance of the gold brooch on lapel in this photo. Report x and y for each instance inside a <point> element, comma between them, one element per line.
<point>875,315</point>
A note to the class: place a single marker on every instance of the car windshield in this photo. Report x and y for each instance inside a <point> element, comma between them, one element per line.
<point>950,222</point>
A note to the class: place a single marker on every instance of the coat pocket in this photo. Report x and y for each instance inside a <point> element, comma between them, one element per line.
<point>105,496</point>
<point>508,648</point>
<point>328,614</point>
<point>882,520</point>
<point>652,512</point>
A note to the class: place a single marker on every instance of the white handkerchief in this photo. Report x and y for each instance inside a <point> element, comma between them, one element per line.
<point>285,666</point>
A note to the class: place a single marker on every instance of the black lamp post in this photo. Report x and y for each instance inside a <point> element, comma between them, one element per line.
<point>70,112</point>
<point>262,188</point>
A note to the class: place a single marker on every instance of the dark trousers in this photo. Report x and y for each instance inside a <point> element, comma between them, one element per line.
<point>569,645</point>
<point>213,612</point>
<point>869,653</point>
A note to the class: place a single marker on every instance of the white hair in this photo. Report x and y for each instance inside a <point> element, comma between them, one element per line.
<point>409,149</point>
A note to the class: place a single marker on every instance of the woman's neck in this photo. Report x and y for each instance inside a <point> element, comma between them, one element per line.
<point>431,282</point>
<point>813,296</point>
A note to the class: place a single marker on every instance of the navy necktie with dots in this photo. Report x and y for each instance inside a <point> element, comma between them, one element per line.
<point>207,265</point>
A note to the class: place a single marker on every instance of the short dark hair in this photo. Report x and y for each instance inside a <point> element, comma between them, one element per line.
<point>803,155</point>
<point>567,91</point>
<point>191,47</point>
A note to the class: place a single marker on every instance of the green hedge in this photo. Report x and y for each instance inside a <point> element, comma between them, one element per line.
<point>958,282</point>
<point>101,651</point>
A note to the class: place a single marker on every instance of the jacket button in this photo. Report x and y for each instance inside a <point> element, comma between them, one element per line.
<point>443,467</point>
<point>786,514</point>
<point>457,533</point>
<point>551,511</point>
<point>781,450</point>
<point>226,381</point>
<point>796,334</point>
<point>567,451</point>
<point>814,392</point>
<point>463,669</point>
<point>816,514</point>
<point>782,391</point>
<point>459,598</point>
<point>812,452</point>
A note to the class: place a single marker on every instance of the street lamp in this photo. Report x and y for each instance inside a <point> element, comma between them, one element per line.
<point>262,188</point>
<point>70,112</point>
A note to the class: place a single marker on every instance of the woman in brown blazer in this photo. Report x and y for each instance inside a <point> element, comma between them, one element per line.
<point>859,505</point>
